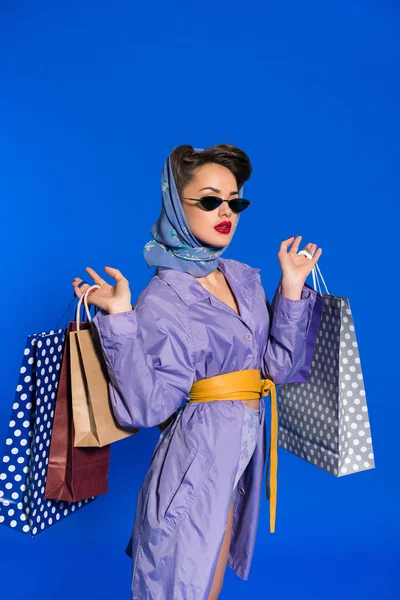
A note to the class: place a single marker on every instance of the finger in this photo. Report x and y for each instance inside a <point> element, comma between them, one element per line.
<point>295,245</point>
<point>316,256</point>
<point>285,244</point>
<point>79,290</point>
<point>310,247</point>
<point>115,273</point>
<point>95,276</point>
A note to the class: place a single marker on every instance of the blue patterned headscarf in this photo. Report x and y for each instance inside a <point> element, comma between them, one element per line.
<point>173,244</point>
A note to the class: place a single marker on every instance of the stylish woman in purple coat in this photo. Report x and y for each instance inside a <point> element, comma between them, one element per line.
<point>200,316</point>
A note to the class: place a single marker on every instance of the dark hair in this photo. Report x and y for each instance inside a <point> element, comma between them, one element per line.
<point>185,160</point>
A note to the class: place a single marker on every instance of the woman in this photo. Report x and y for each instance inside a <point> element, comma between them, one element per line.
<point>200,316</point>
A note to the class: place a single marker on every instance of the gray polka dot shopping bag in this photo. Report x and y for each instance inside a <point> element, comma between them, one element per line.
<point>24,504</point>
<point>323,418</point>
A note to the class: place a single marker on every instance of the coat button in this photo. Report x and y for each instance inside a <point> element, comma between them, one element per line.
<point>248,336</point>
<point>241,491</point>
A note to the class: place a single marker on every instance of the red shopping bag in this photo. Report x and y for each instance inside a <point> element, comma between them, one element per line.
<point>73,473</point>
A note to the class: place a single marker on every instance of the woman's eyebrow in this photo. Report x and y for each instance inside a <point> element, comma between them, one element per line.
<point>216,190</point>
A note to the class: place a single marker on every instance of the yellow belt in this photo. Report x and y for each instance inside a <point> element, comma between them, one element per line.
<point>245,385</point>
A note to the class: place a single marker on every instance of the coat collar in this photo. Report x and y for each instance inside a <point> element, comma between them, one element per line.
<point>190,290</point>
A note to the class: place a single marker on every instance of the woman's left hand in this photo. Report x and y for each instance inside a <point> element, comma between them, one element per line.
<point>295,267</point>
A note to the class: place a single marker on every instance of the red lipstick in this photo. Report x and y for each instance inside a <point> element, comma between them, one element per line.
<point>223,227</point>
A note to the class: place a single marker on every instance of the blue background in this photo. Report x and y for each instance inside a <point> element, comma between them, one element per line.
<point>94,95</point>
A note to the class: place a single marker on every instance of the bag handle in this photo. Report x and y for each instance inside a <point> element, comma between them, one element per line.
<point>78,308</point>
<point>315,273</point>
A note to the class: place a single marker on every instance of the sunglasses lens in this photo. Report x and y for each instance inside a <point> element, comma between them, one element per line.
<point>210,202</point>
<point>239,205</point>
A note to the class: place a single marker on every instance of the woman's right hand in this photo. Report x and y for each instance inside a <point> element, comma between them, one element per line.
<point>113,299</point>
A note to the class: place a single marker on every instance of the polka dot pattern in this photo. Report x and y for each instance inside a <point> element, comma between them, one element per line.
<point>23,469</point>
<point>325,420</point>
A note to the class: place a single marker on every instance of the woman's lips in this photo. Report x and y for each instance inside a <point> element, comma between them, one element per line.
<point>223,228</point>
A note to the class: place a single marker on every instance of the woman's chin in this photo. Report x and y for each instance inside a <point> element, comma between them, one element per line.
<point>222,239</point>
<point>219,240</point>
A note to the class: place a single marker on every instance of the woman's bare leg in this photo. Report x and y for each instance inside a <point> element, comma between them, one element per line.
<point>222,559</point>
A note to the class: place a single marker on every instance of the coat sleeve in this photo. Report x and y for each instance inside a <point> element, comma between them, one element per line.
<point>148,354</point>
<point>285,350</point>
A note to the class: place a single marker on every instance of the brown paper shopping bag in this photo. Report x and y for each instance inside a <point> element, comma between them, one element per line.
<point>94,421</point>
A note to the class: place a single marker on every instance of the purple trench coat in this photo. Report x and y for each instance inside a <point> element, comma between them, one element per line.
<point>177,334</point>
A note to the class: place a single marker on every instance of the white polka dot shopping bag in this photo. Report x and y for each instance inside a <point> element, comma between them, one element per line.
<point>23,506</point>
<point>324,420</point>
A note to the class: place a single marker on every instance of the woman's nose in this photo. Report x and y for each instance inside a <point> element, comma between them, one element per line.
<point>224,208</point>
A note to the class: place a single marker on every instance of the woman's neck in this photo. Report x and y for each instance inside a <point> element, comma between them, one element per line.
<point>212,279</point>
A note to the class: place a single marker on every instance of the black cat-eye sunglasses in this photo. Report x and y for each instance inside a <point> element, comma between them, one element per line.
<point>236,205</point>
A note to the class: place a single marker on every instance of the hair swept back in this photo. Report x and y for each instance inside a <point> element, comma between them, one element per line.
<point>185,160</point>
